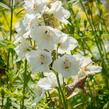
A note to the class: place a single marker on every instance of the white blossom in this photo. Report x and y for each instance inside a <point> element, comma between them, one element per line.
<point>22,47</point>
<point>67,65</point>
<point>35,6</point>
<point>92,69</point>
<point>87,67</point>
<point>66,43</point>
<point>21,28</point>
<point>50,81</point>
<point>22,38</point>
<point>39,60</point>
<point>59,11</point>
<point>36,21</point>
<point>40,93</point>
<point>45,36</point>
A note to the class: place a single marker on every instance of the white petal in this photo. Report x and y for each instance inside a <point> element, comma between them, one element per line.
<point>59,12</point>
<point>67,43</point>
<point>67,65</point>
<point>35,6</point>
<point>85,61</point>
<point>92,69</point>
<point>45,36</point>
<point>45,84</point>
<point>40,93</point>
<point>39,60</point>
<point>22,48</point>
<point>50,81</point>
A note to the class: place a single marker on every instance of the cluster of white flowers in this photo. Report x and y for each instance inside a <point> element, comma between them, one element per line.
<point>39,35</point>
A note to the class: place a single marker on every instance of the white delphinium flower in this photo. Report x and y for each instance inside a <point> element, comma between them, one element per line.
<point>35,6</point>
<point>28,18</point>
<point>50,81</point>
<point>35,21</point>
<point>21,37</point>
<point>21,28</point>
<point>93,69</point>
<point>66,43</point>
<point>45,37</point>
<point>18,40</point>
<point>40,93</point>
<point>22,47</point>
<point>87,67</point>
<point>39,60</point>
<point>28,5</point>
<point>67,65</point>
<point>59,11</point>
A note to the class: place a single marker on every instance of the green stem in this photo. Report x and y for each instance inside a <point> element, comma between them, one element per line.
<point>60,89</point>
<point>2,93</point>
<point>98,40</point>
<point>11,20</point>
<point>60,99</point>
<point>102,51</point>
<point>24,85</point>
<point>11,26</point>
<point>10,38</point>
<point>59,85</point>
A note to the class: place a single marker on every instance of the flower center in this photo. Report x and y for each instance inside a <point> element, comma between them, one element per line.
<point>47,35</point>
<point>42,59</point>
<point>67,64</point>
<point>51,20</point>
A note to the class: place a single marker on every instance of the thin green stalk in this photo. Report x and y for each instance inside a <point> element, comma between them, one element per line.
<point>60,100</point>
<point>97,40</point>
<point>59,86</point>
<point>11,20</point>
<point>11,26</point>
<point>2,93</point>
<point>86,14</point>
<point>2,102</point>
<point>60,89</point>
<point>60,92</point>
<point>93,29</point>
<point>10,38</point>
<point>99,43</point>
<point>24,86</point>
<point>102,52</point>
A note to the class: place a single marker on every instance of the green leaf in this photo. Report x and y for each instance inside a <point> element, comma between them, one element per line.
<point>4,6</point>
<point>2,63</point>
<point>6,44</point>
